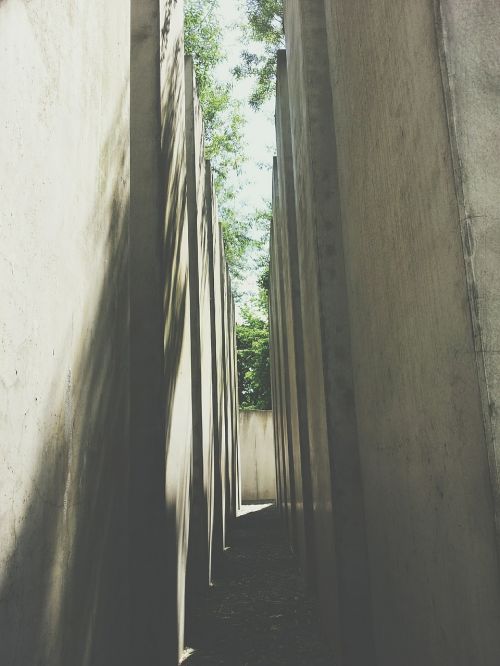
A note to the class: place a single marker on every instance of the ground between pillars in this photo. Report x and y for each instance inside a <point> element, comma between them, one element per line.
<point>257,612</point>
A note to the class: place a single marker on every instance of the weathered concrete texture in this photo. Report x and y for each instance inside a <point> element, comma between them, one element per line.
<point>64,212</point>
<point>102,473</point>
<point>177,331</point>
<point>340,549</point>
<point>468,39</point>
<point>201,343</point>
<point>278,360</point>
<point>258,473</point>
<point>394,121</point>
<point>286,257</point>
<point>215,255</point>
<point>234,468</point>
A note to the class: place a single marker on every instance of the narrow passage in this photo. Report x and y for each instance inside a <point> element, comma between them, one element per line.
<point>257,612</point>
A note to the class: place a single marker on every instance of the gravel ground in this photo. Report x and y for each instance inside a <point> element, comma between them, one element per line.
<point>257,612</point>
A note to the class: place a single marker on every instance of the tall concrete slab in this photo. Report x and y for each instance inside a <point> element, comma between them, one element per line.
<point>103,471</point>
<point>221,510</point>
<point>155,625</point>
<point>340,544</point>
<point>236,468</point>
<point>232,453</point>
<point>418,360</point>
<point>64,337</point>
<point>286,225</point>
<point>277,362</point>
<point>226,448</point>
<point>201,343</point>
<point>176,328</point>
<point>393,151</point>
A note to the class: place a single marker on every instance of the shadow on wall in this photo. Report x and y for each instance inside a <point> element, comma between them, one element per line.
<point>177,370</point>
<point>63,597</point>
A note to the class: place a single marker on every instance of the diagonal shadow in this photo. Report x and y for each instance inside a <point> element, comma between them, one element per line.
<point>63,595</point>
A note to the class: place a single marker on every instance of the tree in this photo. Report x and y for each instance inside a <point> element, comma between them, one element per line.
<point>254,380</point>
<point>265,26</point>
<point>252,338</point>
<point>223,121</point>
<point>225,148</point>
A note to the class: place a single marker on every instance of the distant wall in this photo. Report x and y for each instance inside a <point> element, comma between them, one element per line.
<point>177,332</point>
<point>258,475</point>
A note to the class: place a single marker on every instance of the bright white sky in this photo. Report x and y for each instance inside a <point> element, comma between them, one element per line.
<point>259,132</point>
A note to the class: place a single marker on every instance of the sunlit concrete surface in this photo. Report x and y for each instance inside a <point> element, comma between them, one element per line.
<point>177,332</point>
<point>285,254</point>
<point>201,343</point>
<point>95,363</point>
<point>64,370</point>
<point>247,508</point>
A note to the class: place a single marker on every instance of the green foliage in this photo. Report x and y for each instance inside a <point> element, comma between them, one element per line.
<point>225,148</point>
<point>265,26</point>
<point>223,120</point>
<point>252,340</point>
<point>254,381</point>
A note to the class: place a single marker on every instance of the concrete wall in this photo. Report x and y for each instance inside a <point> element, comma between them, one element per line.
<point>177,330</point>
<point>201,344</point>
<point>285,256</point>
<point>107,464</point>
<point>393,128</point>
<point>215,255</point>
<point>258,477</point>
<point>64,368</point>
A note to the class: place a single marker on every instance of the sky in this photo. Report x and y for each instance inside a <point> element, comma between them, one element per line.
<point>259,131</point>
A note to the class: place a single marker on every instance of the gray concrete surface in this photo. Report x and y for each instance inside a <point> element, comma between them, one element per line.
<point>218,379</point>
<point>425,465</point>
<point>176,364</point>
<point>281,412</point>
<point>64,336</point>
<point>201,344</point>
<point>340,545</point>
<point>258,473</point>
<point>285,224</point>
<point>395,154</point>
<point>102,471</point>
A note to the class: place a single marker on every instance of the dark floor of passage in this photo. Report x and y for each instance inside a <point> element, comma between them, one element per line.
<point>257,612</point>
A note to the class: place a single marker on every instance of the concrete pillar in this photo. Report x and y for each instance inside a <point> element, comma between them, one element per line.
<point>227,458</point>
<point>64,350</point>
<point>339,526</point>
<point>215,256</point>
<point>224,401</point>
<point>201,344</point>
<point>176,317</point>
<point>277,359</point>
<point>280,500</point>
<point>286,225</point>
<point>415,113</point>
<point>287,384</point>
<point>236,410</point>
<point>147,513</point>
